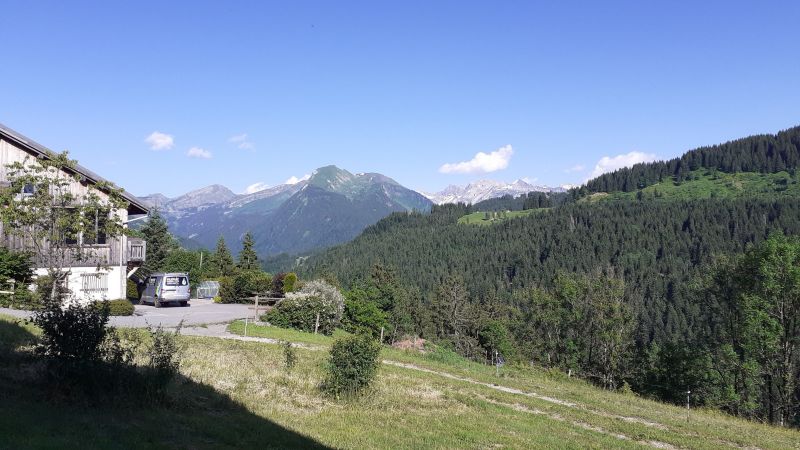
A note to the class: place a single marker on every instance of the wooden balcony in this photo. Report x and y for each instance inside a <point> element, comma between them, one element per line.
<point>137,250</point>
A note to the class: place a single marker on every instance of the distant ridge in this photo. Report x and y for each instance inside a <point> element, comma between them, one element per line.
<point>330,207</point>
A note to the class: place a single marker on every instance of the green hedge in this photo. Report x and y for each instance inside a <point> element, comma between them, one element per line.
<point>120,307</point>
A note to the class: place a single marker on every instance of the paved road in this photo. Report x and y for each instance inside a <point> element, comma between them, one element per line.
<point>198,312</point>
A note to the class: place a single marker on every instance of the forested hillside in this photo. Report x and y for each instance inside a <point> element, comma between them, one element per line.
<point>638,266</point>
<point>766,153</point>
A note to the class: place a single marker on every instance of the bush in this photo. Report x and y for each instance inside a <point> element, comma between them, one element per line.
<point>132,290</point>
<point>164,353</point>
<point>352,365</point>
<point>75,332</point>
<point>279,284</point>
<point>15,266</point>
<point>300,309</point>
<point>119,307</point>
<point>238,288</point>
<point>290,282</point>
<point>363,316</point>
<point>289,354</point>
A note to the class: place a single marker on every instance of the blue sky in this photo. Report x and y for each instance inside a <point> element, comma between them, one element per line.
<point>408,89</point>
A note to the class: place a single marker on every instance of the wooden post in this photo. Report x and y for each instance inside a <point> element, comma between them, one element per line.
<point>381,335</point>
<point>256,315</point>
<point>316,325</point>
<point>245,326</point>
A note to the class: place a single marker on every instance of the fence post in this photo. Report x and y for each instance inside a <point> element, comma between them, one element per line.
<point>316,325</point>
<point>256,317</point>
<point>381,335</point>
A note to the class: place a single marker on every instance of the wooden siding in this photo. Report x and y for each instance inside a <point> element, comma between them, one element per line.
<point>114,253</point>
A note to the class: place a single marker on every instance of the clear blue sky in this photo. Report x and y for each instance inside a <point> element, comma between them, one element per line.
<point>399,88</point>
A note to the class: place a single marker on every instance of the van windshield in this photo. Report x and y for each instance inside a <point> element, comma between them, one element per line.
<point>176,281</point>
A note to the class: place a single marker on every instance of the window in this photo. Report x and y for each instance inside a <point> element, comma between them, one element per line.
<point>177,281</point>
<point>71,223</point>
<point>94,282</point>
<point>95,233</point>
<point>28,190</point>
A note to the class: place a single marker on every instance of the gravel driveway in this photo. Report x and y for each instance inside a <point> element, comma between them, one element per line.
<point>198,312</point>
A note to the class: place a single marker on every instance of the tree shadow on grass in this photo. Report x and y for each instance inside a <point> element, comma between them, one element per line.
<point>193,416</point>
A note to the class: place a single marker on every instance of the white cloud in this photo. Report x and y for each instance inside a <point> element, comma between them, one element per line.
<point>242,142</point>
<point>159,141</point>
<point>576,168</point>
<point>197,152</point>
<point>255,187</point>
<point>295,180</point>
<point>612,163</point>
<point>482,162</point>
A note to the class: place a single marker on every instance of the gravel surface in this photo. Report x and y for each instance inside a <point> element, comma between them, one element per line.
<point>198,312</point>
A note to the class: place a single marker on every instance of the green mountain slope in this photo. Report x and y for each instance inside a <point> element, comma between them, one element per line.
<point>658,237</point>
<point>333,206</point>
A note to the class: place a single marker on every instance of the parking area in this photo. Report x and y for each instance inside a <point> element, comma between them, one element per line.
<point>198,312</point>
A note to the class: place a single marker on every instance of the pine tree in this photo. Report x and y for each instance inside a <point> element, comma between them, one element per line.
<point>248,259</point>
<point>221,261</point>
<point>160,243</point>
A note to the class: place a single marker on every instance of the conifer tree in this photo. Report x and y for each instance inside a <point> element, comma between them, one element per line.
<point>248,259</point>
<point>221,261</point>
<point>160,243</point>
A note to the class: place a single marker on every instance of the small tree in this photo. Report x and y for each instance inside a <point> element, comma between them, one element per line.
<point>248,259</point>
<point>352,365</point>
<point>289,282</point>
<point>42,211</point>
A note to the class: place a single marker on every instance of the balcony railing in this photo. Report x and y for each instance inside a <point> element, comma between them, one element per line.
<point>137,250</point>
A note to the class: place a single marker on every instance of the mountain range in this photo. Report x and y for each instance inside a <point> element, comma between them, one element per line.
<point>485,189</point>
<point>330,207</point>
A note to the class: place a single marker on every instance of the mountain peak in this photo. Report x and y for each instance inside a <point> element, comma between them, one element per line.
<point>480,190</point>
<point>330,178</point>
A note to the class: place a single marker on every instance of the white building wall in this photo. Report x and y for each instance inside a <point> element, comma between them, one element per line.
<point>114,283</point>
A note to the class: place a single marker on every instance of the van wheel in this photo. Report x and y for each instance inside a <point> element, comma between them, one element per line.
<point>157,303</point>
<point>184,303</point>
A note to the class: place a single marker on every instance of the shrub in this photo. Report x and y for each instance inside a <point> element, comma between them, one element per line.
<point>362,315</point>
<point>352,365</point>
<point>72,333</point>
<point>494,336</point>
<point>229,292</point>
<point>15,266</point>
<point>238,288</point>
<point>217,299</point>
<point>300,309</point>
<point>164,353</point>
<point>290,282</point>
<point>289,354</point>
<point>132,290</point>
<point>120,307</point>
<point>279,284</point>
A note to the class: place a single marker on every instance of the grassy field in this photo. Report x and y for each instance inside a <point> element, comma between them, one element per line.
<point>706,184</point>
<point>479,218</point>
<point>234,394</point>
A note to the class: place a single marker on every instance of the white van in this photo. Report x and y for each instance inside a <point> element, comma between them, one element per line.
<point>164,288</point>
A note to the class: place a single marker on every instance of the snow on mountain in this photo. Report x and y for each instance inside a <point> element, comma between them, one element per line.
<point>486,189</point>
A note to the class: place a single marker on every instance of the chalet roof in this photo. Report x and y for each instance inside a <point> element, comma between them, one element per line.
<point>135,206</point>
